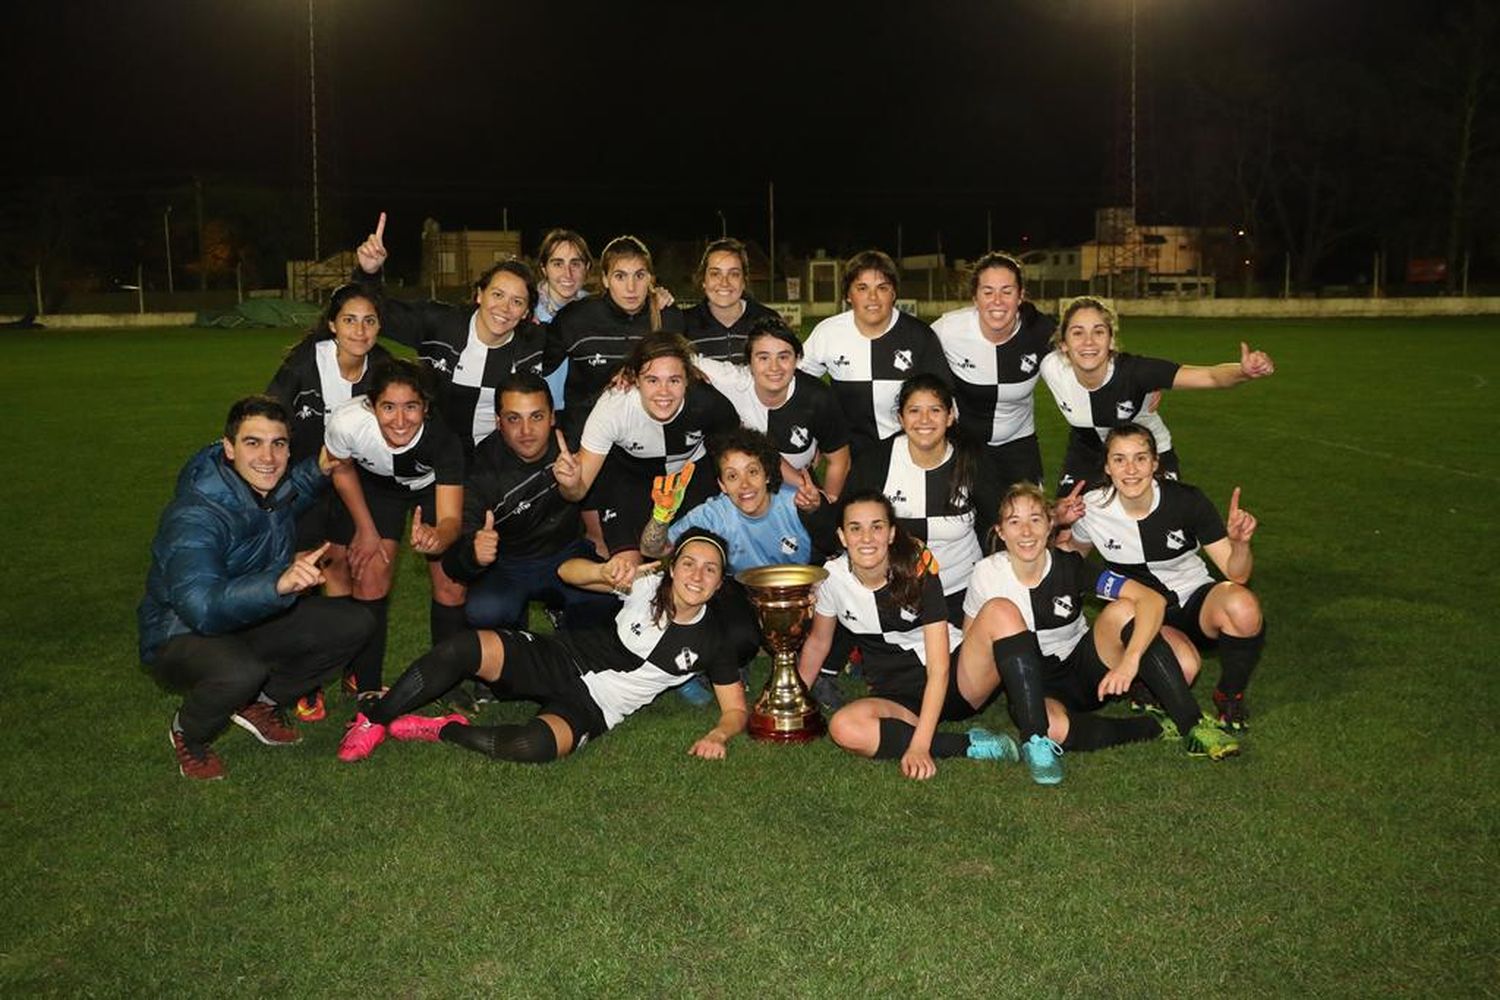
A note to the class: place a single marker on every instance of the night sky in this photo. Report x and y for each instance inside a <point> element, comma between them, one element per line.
<point>652,117</point>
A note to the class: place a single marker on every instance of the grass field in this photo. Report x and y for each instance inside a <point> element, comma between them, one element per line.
<point>1349,852</point>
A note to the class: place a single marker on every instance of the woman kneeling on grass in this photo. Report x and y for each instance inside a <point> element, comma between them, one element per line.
<point>887,595</point>
<point>586,681</point>
<point>1152,529</point>
<point>1086,665</point>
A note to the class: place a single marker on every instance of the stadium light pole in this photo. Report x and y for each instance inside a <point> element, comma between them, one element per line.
<point>1132,109</point>
<point>723,224</point>
<point>166,232</point>
<point>312,100</point>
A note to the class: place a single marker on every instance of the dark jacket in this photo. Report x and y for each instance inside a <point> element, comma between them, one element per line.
<point>219,550</point>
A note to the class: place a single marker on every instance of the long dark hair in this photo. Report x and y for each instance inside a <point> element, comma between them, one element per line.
<point>655,346</point>
<point>322,326</point>
<point>906,562</point>
<point>1125,431</point>
<point>663,608</point>
<point>399,371</point>
<point>961,478</point>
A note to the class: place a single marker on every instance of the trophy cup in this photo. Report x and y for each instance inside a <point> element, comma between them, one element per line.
<point>783,601</point>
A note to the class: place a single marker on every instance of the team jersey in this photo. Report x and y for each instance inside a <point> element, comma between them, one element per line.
<point>867,373</point>
<point>808,420</point>
<point>627,666</point>
<point>1053,608</point>
<point>595,336</point>
<point>921,498</point>
<point>1161,549</point>
<point>994,382</point>
<point>531,516</point>
<point>435,455</point>
<point>889,637</point>
<point>1122,398</point>
<point>713,339</point>
<point>619,421</point>
<point>310,386</point>
<point>777,536</point>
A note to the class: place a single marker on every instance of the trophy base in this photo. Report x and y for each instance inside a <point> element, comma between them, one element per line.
<point>795,729</point>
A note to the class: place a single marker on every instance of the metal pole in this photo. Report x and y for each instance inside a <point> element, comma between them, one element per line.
<point>1132,108</point>
<point>312,100</point>
<point>505,219</point>
<point>1286,278</point>
<point>1375,276</point>
<point>166,232</point>
<point>239,281</point>
<point>989,238</point>
<point>771,250</point>
<point>723,224</point>
<point>1464,288</point>
<point>202,250</point>
<point>140,290</point>
<point>37,278</point>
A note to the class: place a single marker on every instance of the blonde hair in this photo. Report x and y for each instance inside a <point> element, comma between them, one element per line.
<point>1073,306</point>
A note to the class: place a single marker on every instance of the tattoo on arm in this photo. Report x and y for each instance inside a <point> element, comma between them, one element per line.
<point>653,539</point>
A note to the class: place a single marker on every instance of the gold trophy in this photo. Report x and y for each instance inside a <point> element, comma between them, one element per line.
<point>783,601</point>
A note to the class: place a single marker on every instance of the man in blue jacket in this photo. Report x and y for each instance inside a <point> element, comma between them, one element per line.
<point>224,618</point>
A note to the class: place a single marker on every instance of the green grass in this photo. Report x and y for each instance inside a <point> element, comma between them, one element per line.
<point>1347,853</point>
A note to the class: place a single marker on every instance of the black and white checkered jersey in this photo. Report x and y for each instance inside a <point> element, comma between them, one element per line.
<point>627,666</point>
<point>1161,549</point>
<point>809,421</point>
<point>1122,398</point>
<point>921,499</point>
<point>310,386</point>
<point>446,340</point>
<point>994,382</point>
<point>1053,609</point>
<point>619,420</point>
<point>435,455</point>
<point>595,335</point>
<point>713,339</point>
<point>867,373</point>
<point>531,516</point>
<point>889,637</point>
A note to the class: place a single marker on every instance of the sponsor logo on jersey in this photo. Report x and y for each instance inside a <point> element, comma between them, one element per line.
<point>1176,539</point>
<point>964,364</point>
<point>308,411</point>
<point>896,497</point>
<point>692,438</point>
<point>901,360</point>
<point>607,514</point>
<point>1112,545</point>
<point>685,659</point>
<point>596,361</point>
<point>1028,363</point>
<point>523,506</point>
<point>840,361</point>
<point>422,468</point>
<point>1169,475</point>
<point>635,446</point>
<point>800,436</point>
<point>907,614</point>
<point>1124,409</point>
<point>1065,481</point>
<point>437,364</point>
<point>1062,606</point>
<point>788,544</point>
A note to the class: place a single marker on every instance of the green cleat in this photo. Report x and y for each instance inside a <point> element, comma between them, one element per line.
<point>985,745</point>
<point>1206,739</point>
<point>1169,731</point>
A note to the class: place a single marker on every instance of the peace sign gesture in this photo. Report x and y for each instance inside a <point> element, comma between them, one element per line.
<point>1070,508</point>
<point>1240,524</point>
<point>567,470</point>
<point>371,253</point>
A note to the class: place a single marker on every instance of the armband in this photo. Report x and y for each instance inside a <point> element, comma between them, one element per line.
<point>1110,584</point>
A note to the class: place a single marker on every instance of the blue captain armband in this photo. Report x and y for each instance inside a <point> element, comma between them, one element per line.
<point>1109,584</point>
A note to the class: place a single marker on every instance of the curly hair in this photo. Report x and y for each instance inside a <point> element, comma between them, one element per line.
<point>749,441</point>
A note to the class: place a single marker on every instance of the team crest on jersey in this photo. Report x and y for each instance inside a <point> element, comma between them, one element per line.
<point>685,659</point>
<point>1169,475</point>
<point>437,364</point>
<point>636,628</point>
<point>1063,405</point>
<point>1124,409</point>
<point>1028,363</point>
<point>1176,539</point>
<point>596,361</point>
<point>788,544</point>
<point>849,615</point>
<point>907,614</point>
<point>308,411</point>
<point>692,438</point>
<point>800,436</point>
<point>901,360</point>
<point>1062,605</point>
<point>607,514</point>
<point>1065,481</point>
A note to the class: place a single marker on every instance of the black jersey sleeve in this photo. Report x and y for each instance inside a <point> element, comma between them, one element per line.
<point>1151,374</point>
<point>719,414</point>
<point>934,605</point>
<point>870,465</point>
<point>829,425</point>
<point>285,383</point>
<point>445,453</point>
<point>410,323</point>
<point>1203,516</point>
<point>721,668</point>
<point>933,360</point>
<point>672,320</point>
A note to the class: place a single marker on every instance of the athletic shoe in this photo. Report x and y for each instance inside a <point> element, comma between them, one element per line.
<point>695,692</point>
<point>1206,739</point>
<point>1041,756</point>
<point>1169,731</point>
<point>985,745</point>
<point>361,739</point>
<point>826,693</point>
<point>350,684</point>
<point>1141,698</point>
<point>1234,714</point>
<point>266,723</point>
<point>311,708</point>
<point>422,728</point>
<point>195,761</point>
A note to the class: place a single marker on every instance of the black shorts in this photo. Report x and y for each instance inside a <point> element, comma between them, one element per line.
<point>1185,617</point>
<point>538,668</point>
<point>389,504</point>
<point>955,602</point>
<point>1074,679</point>
<point>906,690</point>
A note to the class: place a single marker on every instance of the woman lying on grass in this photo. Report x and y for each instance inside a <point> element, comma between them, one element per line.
<point>1083,665</point>
<point>887,595</point>
<point>585,681</point>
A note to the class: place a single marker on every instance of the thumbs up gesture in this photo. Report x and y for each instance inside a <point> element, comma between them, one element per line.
<point>486,541</point>
<point>424,537</point>
<point>371,253</point>
<point>1255,364</point>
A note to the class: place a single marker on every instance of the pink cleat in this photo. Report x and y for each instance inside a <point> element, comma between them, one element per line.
<point>361,739</point>
<point>423,728</point>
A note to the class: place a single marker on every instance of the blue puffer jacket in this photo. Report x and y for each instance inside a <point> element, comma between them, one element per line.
<point>219,550</point>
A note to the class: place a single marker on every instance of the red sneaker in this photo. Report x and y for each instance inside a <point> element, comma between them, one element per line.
<point>265,723</point>
<point>361,739</point>
<point>422,728</point>
<point>311,708</point>
<point>197,762</point>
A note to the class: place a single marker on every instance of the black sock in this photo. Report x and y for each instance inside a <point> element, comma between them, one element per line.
<point>1019,661</point>
<point>895,737</point>
<point>369,662</point>
<point>1237,659</point>
<point>529,743</point>
<point>1162,675</point>
<point>445,622</point>
<point>429,677</point>
<point>1087,731</point>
